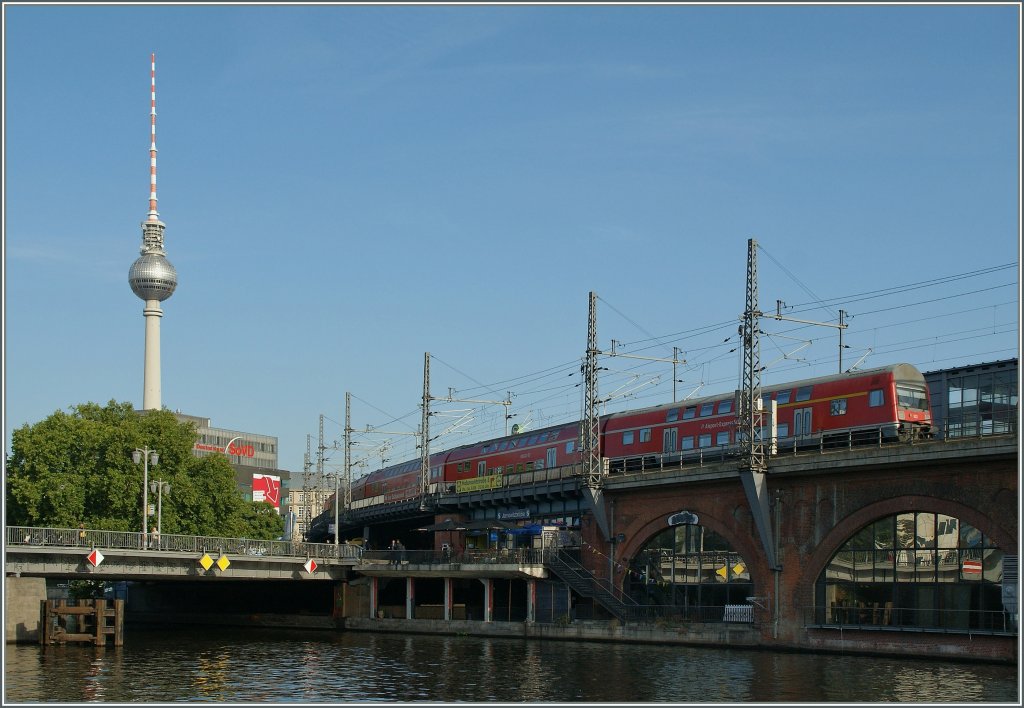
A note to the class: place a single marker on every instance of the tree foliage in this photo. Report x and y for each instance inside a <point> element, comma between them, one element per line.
<point>76,468</point>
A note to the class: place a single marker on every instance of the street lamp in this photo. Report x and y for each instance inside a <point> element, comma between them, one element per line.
<point>159,487</point>
<point>145,456</point>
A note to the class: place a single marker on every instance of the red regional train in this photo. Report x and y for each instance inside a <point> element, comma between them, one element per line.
<point>885,404</point>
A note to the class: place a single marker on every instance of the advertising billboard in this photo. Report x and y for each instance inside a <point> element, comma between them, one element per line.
<point>267,488</point>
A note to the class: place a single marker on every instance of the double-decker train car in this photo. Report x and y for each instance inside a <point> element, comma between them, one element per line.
<point>885,404</point>
<point>517,454</point>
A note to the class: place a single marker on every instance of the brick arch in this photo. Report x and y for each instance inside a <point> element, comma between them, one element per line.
<point>747,545</point>
<point>841,532</point>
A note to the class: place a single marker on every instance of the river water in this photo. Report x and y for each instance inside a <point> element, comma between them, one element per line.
<point>264,666</point>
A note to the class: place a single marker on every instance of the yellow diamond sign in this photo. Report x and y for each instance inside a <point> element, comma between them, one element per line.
<point>206,561</point>
<point>223,563</point>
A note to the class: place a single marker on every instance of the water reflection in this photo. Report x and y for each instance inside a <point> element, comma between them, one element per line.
<point>322,667</point>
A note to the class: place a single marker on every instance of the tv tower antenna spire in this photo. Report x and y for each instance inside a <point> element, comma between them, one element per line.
<point>152,277</point>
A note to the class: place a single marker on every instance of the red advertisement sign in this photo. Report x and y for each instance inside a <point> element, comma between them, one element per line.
<point>267,488</point>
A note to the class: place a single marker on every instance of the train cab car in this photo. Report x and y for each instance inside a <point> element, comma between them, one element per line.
<point>518,454</point>
<point>884,404</point>
<point>875,405</point>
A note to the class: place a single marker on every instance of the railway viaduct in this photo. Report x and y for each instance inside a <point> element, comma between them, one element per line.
<point>817,502</point>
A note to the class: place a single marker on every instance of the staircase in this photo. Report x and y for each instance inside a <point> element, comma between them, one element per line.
<point>585,584</point>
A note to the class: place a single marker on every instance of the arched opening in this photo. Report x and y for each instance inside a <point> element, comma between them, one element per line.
<point>915,569</point>
<point>692,568</point>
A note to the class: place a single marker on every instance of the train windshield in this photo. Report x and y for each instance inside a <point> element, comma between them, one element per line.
<point>912,397</point>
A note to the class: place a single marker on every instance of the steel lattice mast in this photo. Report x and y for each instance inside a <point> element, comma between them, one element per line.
<point>348,453</point>
<point>425,433</point>
<point>590,426</point>
<point>750,414</point>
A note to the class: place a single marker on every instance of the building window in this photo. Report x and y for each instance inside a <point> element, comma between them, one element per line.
<point>918,569</point>
<point>690,567</point>
<point>837,406</point>
<point>627,437</point>
<point>645,435</point>
<point>876,398</point>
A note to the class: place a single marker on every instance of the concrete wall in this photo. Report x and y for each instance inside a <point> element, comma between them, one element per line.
<point>22,602</point>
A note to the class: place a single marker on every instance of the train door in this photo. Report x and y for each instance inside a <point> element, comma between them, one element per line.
<point>802,422</point>
<point>551,456</point>
<point>669,440</point>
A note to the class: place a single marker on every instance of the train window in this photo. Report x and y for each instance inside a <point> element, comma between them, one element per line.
<point>690,412</point>
<point>722,438</point>
<point>704,440</point>
<point>783,396</point>
<point>725,406</point>
<point>837,407</point>
<point>803,393</point>
<point>532,440</point>
<point>876,398</point>
<point>783,429</point>
<point>519,467</point>
<point>481,468</point>
<point>503,446</point>
<point>707,409</point>
<point>673,415</point>
<point>645,435</point>
<point>912,398</point>
<point>570,447</point>
<point>543,438</point>
<point>627,437</point>
<point>686,443</point>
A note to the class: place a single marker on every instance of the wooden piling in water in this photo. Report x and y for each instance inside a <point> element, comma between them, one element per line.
<point>92,620</point>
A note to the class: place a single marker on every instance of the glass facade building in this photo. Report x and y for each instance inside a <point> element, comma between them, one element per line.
<point>971,401</point>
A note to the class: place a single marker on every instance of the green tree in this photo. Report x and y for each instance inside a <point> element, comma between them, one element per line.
<point>262,521</point>
<point>77,467</point>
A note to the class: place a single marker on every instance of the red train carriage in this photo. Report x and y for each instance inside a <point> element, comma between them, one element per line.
<point>519,454</point>
<point>887,403</point>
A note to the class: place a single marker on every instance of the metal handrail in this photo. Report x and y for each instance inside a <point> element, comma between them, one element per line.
<point>904,619</point>
<point>173,543</point>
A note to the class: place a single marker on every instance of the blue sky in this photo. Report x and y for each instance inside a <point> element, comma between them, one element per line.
<point>348,187</point>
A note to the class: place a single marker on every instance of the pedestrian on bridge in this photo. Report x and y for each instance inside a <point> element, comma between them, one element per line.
<point>155,538</point>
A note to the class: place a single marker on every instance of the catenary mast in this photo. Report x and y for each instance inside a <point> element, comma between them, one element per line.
<point>152,277</point>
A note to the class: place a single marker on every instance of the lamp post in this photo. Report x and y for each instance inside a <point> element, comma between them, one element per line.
<point>160,487</point>
<point>145,456</point>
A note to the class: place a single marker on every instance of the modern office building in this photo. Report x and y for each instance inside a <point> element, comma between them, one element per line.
<point>980,399</point>
<point>253,456</point>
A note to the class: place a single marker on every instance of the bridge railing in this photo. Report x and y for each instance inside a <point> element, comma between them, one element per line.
<point>469,556</point>
<point>135,540</point>
<point>921,619</point>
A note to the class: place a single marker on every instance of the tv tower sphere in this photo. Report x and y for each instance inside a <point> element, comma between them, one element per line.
<point>152,276</point>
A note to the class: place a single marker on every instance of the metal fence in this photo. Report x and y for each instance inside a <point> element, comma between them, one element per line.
<point>911,619</point>
<point>135,540</point>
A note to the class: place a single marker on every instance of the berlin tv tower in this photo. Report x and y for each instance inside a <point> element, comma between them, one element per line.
<point>152,276</point>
